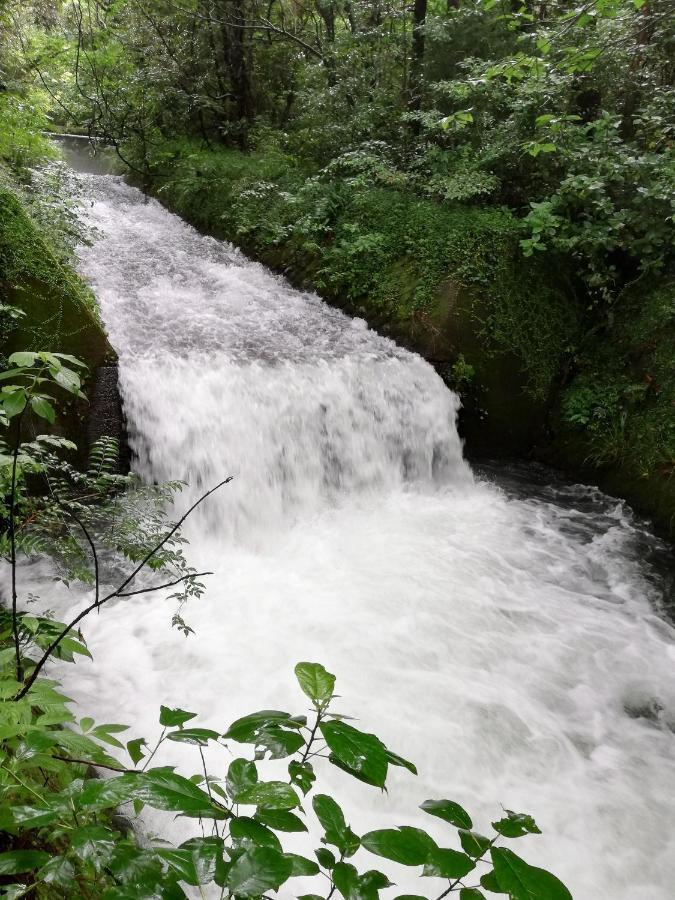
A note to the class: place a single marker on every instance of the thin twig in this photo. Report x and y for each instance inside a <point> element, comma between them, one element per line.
<point>12,540</point>
<point>167,584</point>
<point>116,593</point>
<point>99,765</point>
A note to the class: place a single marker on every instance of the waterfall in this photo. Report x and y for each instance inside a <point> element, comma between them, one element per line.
<point>506,642</point>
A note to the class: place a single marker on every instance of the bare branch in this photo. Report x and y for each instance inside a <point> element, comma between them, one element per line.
<point>116,593</point>
<point>167,584</point>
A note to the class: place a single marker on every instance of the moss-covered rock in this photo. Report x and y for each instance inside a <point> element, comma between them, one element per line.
<point>58,310</point>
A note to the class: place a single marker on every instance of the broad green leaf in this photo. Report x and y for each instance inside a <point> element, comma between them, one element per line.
<point>472,843</point>
<point>471,894</point>
<point>516,825</point>
<point>66,378</point>
<point>171,718</point>
<point>246,729</point>
<point>22,358</point>
<point>490,883</point>
<point>105,793</point>
<point>362,754</point>
<point>241,775</point>
<point>14,862</point>
<point>346,879</point>
<point>248,830</point>
<point>14,402</point>
<point>302,775</point>
<point>373,881</point>
<point>58,871</point>
<point>408,846</point>
<point>200,736</point>
<point>197,860</point>
<point>332,819</point>
<point>105,732</point>
<point>180,861</point>
<point>166,790</point>
<point>301,865</point>
<point>325,857</point>
<point>396,760</point>
<point>94,844</point>
<point>280,820</point>
<point>32,816</point>
<point>73,360</point>
<point>525,882</point>
<point>444,863</point>
<point>258,870</point>
<point>280,742</point>
<point>43,408</point>
<point>449,811</point>
<point>271,795</point>
<point>134,749</point>
<point>315,681</point>
<point>207,855</point>
<point>12,373</point>
<point>131,865</point>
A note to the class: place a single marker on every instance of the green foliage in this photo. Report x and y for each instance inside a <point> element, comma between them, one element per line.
<point>621,400</point>
<point>497,146</point>
<point>460,375</point>
<point>614,200</point>
<point>27,258</point>
<point>61,815</point>
<point>21,121</point>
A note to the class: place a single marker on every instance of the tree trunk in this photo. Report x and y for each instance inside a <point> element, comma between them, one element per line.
<point>415,85</point>
<point>241,85</point>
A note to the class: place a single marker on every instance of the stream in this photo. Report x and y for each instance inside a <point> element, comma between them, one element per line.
<point>504,630</point>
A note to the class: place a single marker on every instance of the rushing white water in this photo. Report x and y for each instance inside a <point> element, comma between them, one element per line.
<point>507,644</point>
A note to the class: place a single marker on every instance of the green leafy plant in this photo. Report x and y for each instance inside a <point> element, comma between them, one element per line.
<point>52,800</point>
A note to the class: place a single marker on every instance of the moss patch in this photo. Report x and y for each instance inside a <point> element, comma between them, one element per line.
<point>58,308</point>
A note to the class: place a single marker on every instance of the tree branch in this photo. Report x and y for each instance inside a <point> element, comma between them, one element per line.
<point>116,593</point>
<point>167,584</point>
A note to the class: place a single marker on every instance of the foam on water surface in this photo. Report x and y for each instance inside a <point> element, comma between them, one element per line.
<point>508,645</point>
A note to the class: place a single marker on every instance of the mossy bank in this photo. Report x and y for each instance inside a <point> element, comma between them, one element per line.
<point>512,334</point>
<point>46,306</point>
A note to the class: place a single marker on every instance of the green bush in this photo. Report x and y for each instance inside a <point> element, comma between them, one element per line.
<point>622,398</point>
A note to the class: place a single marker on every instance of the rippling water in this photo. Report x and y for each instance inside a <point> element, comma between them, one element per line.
<point>500,630</point>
